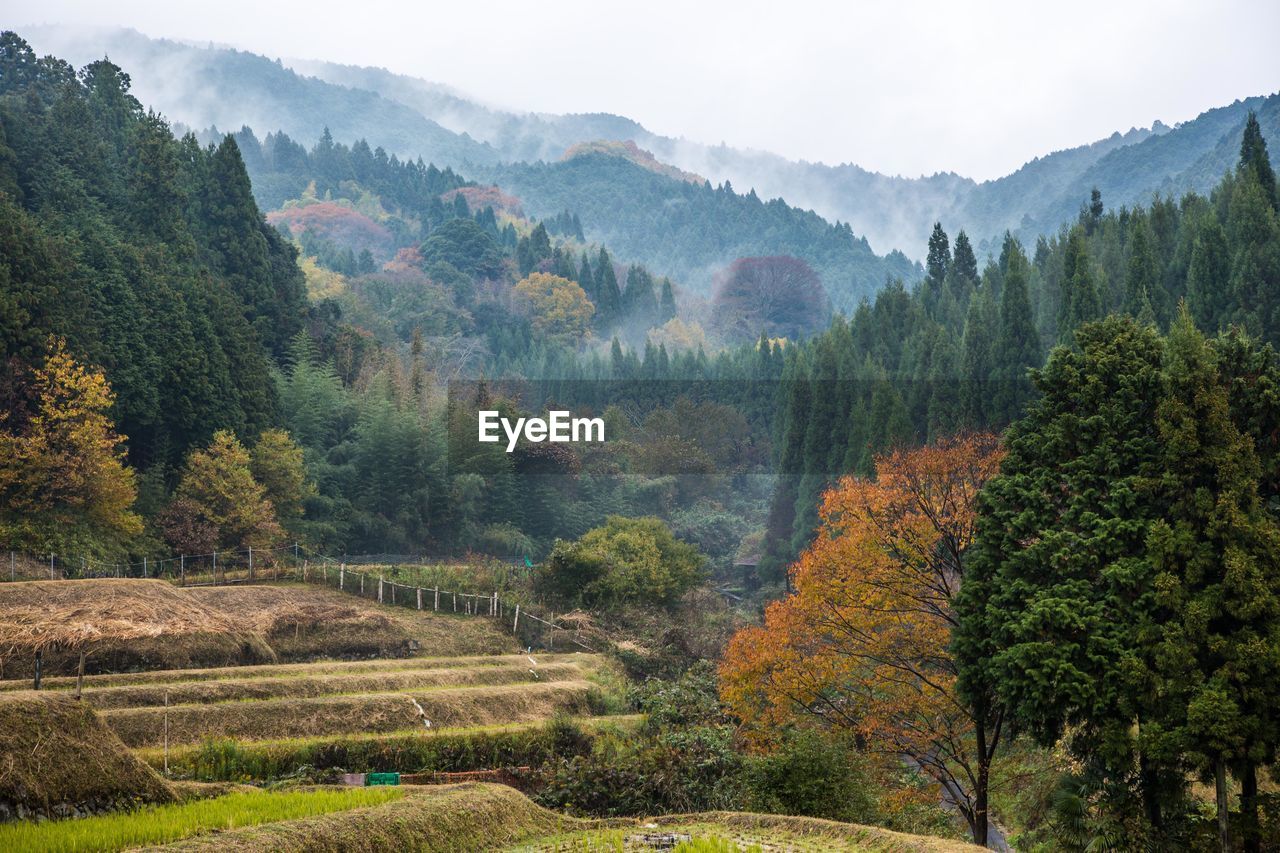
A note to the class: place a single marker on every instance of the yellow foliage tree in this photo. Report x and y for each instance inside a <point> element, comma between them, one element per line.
<point>64,485</point>
<point>219,494</point>
<point>862,643</point>
<point>558,307</point>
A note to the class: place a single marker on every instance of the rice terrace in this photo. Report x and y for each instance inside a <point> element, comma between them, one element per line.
<point>251,710</point>
<point>869,441</point>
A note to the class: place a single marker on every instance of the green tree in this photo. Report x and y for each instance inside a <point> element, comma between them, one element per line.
<point>625,561</point>
<point>1254,158</point>
<point>218,488</point>
<point>1058,602</point>
<point>1217,581</point>
<point>277,463</point>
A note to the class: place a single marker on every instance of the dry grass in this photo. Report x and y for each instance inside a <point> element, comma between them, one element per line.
<point>310,687</point>
<point>435,819</point>
<point>374,712</point>
<point>75,615</point>
<point>478,816</point>
<point>128,625</point>
<point>299,670</point>
<point>55,752</point>
<point>181,754</point>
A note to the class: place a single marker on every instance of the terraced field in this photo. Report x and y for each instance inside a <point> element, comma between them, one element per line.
<point>340,698</point>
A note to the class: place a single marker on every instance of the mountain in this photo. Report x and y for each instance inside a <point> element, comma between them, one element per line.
<point>220,87</point>
<point>892,212</point>
<point>413,117</point>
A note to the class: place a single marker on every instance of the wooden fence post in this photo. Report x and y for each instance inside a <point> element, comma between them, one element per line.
<point>379,589</point>
<point>342,576</point>
<point>144,567</point>
<point>419,598</point>
<point>362,583</point>
<point>455,602</point>
<point>436,604</point>
<point>182,570</point>
<point>250,564</point>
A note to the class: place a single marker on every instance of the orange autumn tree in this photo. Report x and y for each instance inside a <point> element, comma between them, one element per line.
<point>862,643</point>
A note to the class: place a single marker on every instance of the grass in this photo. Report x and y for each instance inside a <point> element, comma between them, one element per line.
<point>430,819</point>
<point>408,751</point>
<point>335,684</point>
<point>56,754</point>
<point>730,832</point>
<point>329,715</point>
<point>162,824</point>
<point>290,670</point>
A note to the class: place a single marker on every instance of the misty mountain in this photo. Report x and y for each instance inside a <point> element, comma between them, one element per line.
<point>211,86</point>
<point>413,117</point>
<point>891,212</point>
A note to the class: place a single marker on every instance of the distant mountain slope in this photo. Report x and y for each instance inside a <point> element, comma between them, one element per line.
<point>691,230</point>
<point>410,116</point>
<point>207,86</point>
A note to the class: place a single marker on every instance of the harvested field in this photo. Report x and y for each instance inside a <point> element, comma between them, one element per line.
<point>58,759</point>
<point>120,623</point>
<point>313,686</point>
<point>131,625</point>
<point>304,622</point>
<point>472,816</point>
<point>290,670</point>
<point>408,751</point>
<point>373,712</point>
<point>479,816</point>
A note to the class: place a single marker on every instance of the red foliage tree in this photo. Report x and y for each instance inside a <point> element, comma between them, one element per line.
<point>779,295</point>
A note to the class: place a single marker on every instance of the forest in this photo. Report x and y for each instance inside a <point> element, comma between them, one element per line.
<point>1004,525</point>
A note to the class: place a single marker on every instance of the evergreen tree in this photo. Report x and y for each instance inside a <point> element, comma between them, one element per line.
<point>1254,159</point>
<point>1017,347</point>
<point>1209,275</point>
<point>1214,551</point>
<point>667,306</point>
<point>1059,597</point>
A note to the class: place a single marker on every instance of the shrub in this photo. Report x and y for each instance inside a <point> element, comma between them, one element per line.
<point>813,776</point>
<point>625,560</point>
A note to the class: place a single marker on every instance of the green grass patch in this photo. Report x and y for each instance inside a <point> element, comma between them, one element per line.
<point>409,751</point>
<point>163,824</point>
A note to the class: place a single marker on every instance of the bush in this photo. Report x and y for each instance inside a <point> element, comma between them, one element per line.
<point>813,776</point>
<point>625,560</point>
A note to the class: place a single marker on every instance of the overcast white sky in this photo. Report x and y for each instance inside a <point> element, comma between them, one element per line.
<point>899,87</point>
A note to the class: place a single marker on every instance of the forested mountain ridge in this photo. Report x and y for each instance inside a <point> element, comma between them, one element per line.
<point>893,212</point>
<point>145,252</point>
<point>890,212</point>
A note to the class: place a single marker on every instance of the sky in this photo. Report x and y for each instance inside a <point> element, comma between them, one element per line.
<point>905,87</point>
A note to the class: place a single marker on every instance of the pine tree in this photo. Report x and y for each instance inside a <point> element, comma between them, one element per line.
<point>667,307</point>
<point>1057,601</point>
<point>1214,551</point>
<point>1080,302</point>
<point>1142,273</point>
<point>1017,347</point>
<point>609,303</point>
<point>1209,275</point>
<point>1254,158</point>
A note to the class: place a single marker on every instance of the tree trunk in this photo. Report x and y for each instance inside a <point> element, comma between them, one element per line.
<point>1220,787</point>
<point>1251,842</point>
<point>1150,782</point>
<point>980,791</point>
<point>80,676</point>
